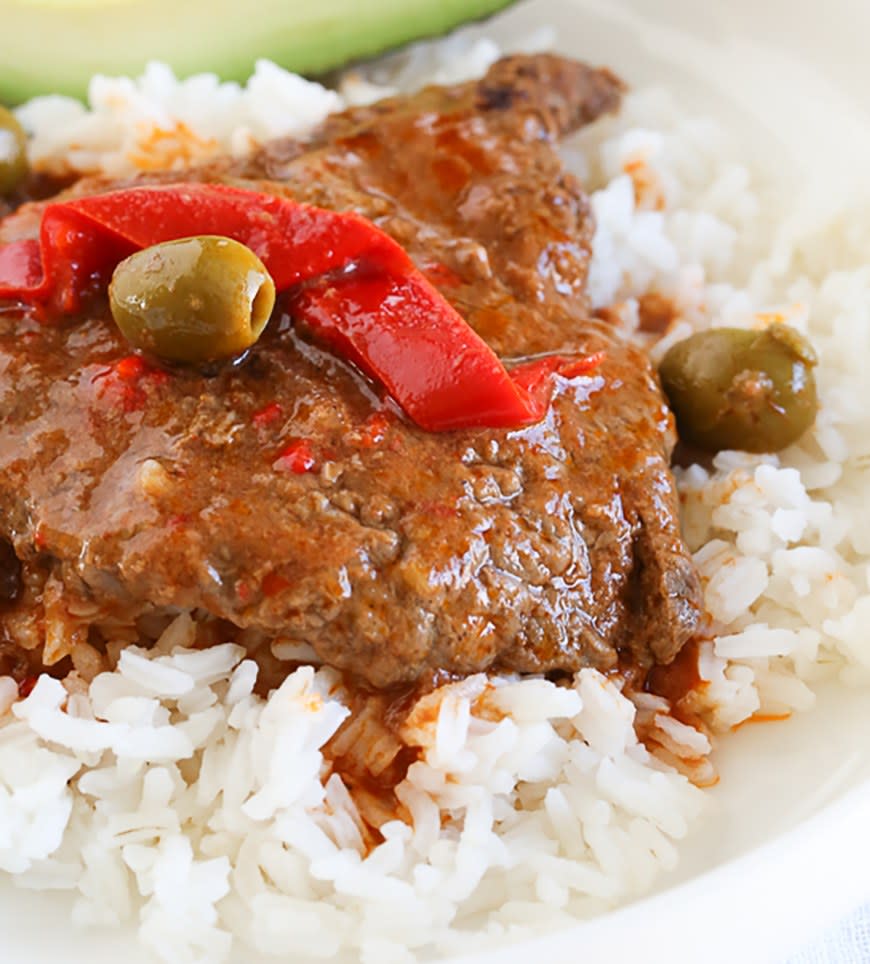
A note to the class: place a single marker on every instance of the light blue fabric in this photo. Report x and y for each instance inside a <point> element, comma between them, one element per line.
<point>846,943</point>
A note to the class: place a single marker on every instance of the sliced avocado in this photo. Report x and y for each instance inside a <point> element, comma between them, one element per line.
<point>55,46</point>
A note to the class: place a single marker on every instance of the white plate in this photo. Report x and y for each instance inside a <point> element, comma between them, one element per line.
<point>785,847</point>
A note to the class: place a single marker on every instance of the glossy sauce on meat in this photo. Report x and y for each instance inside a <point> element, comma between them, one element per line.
<point>129,492</point>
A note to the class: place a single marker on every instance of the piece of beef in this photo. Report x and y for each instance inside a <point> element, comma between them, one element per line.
<point>469,181</point>
<point>549,547</point>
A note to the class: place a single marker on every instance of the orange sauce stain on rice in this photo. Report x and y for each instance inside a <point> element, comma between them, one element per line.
<point>656,313</point>
<point>648,191</point>
<point>761,718</point>
<point>160,148</point>
<point>765,318</point>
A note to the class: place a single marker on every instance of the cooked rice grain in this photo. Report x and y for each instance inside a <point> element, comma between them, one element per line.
<point>176,794</point>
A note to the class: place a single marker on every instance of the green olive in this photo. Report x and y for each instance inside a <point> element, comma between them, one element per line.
<point>13,152</point>
<point>195,300</point>
<point>735,389</point>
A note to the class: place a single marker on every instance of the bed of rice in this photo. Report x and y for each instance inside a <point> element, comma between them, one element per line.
<point>168,793</point>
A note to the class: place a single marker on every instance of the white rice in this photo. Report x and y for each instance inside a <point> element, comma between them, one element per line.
<point>169,794</point>
<point>782,542</point>
<point>158,122</point>
<point>169,791</point>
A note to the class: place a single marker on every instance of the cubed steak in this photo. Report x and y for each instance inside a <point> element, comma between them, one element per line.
<point>290,497</point>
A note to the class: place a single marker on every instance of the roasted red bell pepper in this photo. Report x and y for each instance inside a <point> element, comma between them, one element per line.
<point>362,294</point>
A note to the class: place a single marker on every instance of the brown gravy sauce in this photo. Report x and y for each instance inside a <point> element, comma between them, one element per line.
<point>681,677</point>
<point>375,794</point>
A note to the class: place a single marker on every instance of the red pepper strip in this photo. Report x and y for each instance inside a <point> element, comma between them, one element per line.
<point>385,316</point>
<point>21,266</point>
<point>436,371</point>
<point>84,236</point>
<point>535,376</point>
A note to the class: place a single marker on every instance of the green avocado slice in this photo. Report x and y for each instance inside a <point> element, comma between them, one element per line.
<point>55,46</point>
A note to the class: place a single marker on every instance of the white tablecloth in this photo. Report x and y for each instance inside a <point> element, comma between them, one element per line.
<point>847,942</point>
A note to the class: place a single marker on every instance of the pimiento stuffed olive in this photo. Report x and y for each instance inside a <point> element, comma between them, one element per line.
<point>13,152</point>
<point>196,300</point>
<point>735,389</point>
